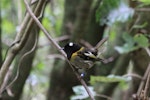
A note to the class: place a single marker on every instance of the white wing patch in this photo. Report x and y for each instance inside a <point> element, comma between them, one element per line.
<point>90,54</point>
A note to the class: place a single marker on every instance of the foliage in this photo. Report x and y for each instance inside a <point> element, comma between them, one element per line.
<point>114,15</point>
<point>52,19</point>
<point>5,25</point>
<point>133,43</point>
<point>105,8</point>
<point>110,12</point>
<point>108,79</point>
<point>80,92</point>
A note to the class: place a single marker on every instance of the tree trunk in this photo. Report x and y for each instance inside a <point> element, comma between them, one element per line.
<point>69,16</point>
<point>94,32</point>
<point>23,61</point>
<point>81,20</point>
<point>24,68</point>
<point>76,23</point>
<point>61,71</point>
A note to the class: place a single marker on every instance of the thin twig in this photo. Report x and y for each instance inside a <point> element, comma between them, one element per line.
<point>147,50</point>
<point>135,22</point>
<point>133,75</point>
<point>86,44</point>
<point>146,89</point>
<point>141,87</point>
<point>62,38</point>
<point>58,47</point>
<point>59,39</point>
<point>100,43</point>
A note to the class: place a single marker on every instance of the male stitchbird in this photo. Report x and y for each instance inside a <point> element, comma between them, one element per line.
<point>80,57</point>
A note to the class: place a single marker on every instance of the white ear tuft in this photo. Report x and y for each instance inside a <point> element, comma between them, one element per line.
<point>71,44</point>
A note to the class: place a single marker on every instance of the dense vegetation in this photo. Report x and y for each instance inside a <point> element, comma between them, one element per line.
<point>33,66</point>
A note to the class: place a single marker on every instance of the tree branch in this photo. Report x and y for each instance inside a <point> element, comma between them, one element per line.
<point>141,87</point>
<point>146,89</point>
<point>133,75</point>
<point>58,48</point>
<point>7,88</point>
<point>19,42</point>
<point>100,43</point>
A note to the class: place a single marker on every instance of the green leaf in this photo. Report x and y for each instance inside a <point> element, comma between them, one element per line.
<point>125,48</point>
<point>132,43</point>
<point>141,40</point>
<point>128,46</point>
<point>140,26</point>
<point>108,79</point>
<point>81,93</point>
<point>128,38</point>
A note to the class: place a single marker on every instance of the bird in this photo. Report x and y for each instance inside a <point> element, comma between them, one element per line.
<point>81,57</point>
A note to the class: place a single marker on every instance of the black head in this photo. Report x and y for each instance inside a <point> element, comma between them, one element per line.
<point>70,48</point>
